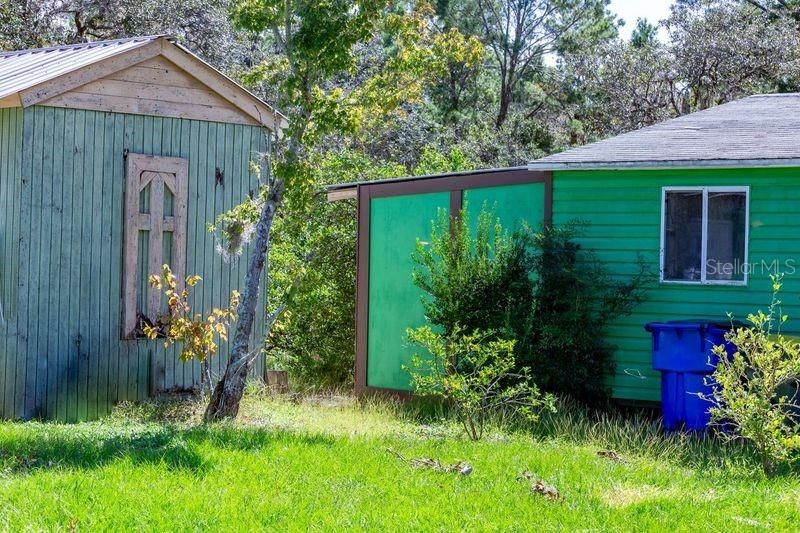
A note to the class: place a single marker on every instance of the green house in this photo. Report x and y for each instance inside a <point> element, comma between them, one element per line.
<point>709,200</point>
<point>114,156</point>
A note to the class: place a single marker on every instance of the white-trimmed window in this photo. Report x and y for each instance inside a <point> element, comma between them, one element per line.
<point>704,234</point>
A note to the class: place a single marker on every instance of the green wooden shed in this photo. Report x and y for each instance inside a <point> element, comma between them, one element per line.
<point>709,199</point>
<point>114,156</point>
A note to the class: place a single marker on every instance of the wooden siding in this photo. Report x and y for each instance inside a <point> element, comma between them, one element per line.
<point>153,87</point>
<point>623,209</point>
<point>66,360</point>
<point>10,185</point>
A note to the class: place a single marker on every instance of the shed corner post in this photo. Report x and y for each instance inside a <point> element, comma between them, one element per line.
<point>362,287</point>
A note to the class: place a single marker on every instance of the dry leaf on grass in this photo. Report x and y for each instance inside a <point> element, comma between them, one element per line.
<point>540,487</point>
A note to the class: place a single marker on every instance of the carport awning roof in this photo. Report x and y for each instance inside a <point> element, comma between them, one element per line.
<point>760,130</point>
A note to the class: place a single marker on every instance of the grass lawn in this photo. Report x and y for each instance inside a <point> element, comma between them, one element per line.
<point>324,464</point>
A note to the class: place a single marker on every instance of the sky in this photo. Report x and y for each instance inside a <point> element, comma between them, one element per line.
<point>630,10</point>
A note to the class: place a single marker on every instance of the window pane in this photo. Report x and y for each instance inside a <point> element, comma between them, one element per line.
<point>683,222</point>
<point>727,214</point>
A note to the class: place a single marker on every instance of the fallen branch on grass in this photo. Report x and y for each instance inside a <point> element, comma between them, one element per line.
<point>461,467</point>
<point>611,455</point>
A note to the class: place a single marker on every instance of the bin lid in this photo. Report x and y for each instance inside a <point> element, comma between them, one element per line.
<point>694,323</point>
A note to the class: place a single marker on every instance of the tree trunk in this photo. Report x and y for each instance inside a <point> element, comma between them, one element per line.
<point>506,91</point>
<point>229,390</point>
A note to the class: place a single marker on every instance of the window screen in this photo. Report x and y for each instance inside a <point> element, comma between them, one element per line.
<point>727,215</point>
<point>683,226</point>
<point>704,236</point>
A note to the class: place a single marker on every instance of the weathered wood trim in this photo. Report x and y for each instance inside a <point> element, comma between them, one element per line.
<point>180,192</point>
<point>225,87</point>
<point>456,202</point>
<point>12,100</point>
<point>157,71</point>
<point>342,194</point>
<point>246,107</point>
<point>156,240</point>
<point>142,106</point>
<point>130,249</point>
<point>82,76</point>
<point>196,95</point>
<point>158,172</point>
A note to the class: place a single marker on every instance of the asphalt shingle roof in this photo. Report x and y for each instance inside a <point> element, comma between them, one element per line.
<point>753,131</point>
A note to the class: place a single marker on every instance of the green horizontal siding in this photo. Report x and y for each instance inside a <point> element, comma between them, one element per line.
<point>69,362</point>
<point>623,209</point>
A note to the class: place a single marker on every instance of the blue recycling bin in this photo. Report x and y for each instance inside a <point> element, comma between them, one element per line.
<point>683,353</point>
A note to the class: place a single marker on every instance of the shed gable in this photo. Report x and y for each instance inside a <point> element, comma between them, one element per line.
<point>141,75</point>
<point>156,86</point>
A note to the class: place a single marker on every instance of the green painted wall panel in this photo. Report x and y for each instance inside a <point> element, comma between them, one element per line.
<point>623,209</point>
<point>62,181</point>
<point>394,301</point>
<point>513,204</point>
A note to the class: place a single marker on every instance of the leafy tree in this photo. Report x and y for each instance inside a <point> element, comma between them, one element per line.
<point>314,338</point>
<point>723,51</point>
<point>644,34</point>
<point>202,25</point>
<point>315,44</point>
<point>458,64</point>
<point>619,87</point>
<point>25,24</point>
<point>777,9</point>
<point>718,51</point>
<point>520,33</point>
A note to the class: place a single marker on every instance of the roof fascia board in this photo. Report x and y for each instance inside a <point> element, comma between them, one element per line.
<point>673,165</point>
<point>83,75</point>
<point>456,174</point>
<point>12,100</point>
<point>342,194</point>
<point>224,86</point>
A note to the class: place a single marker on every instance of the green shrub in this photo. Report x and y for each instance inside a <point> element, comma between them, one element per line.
<point>541,289</point>
<point>473,374</point>
<point>474,279</point>
<point>574,300</point>
<point>755,389</point>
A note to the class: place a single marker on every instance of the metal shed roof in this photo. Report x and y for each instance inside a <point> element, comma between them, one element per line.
<point>760,130</point>
<point>23,73</point>
<point>24,69</point>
